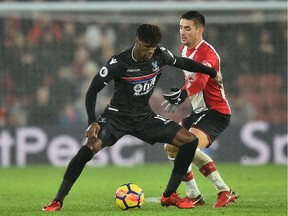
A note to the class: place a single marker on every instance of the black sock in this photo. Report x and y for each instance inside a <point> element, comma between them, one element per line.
<point>73,171</point>
<point>63,190</point>
<point>183,159</point>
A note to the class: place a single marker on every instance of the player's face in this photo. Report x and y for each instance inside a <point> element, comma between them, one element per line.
<point>143,51</point>
<point>189,33</point>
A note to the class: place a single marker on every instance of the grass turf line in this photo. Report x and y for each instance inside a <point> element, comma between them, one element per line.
<point>24,191</point>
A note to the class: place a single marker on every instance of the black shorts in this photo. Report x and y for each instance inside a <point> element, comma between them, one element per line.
<point>211,122</point>
<point>150,128</point>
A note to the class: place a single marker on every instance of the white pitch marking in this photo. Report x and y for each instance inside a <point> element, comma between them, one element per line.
<point>152,199</point>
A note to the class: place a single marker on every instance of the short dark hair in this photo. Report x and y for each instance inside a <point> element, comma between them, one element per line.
<point>197,17</point>
<point>150,34</point>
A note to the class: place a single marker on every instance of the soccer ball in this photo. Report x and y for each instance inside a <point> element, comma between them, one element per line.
<point>129,196</point>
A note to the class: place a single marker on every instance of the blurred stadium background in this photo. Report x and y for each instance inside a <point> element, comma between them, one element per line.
<point>50,51</point>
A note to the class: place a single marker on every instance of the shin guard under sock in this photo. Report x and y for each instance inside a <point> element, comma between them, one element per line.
<point>73,171</point>
<point>182,161</point>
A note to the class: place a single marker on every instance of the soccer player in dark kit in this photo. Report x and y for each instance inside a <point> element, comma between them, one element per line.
<point>135,72</point>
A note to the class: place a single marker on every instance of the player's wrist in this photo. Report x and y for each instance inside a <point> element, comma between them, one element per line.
<point>91,121</point>
<point>212,72</point>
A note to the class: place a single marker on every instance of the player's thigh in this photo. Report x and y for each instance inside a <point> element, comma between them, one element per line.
<point>203,140</point>
<point>109,134</point>
<point>170,149</point>
<point>209,127</point>
<point>157,129</point>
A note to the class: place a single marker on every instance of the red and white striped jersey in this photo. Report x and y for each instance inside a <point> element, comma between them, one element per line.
<point>203,93</point>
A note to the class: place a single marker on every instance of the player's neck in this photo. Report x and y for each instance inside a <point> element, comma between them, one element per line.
<point>194,45</point>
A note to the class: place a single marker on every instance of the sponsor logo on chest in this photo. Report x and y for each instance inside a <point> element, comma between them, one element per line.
<point>145,87</point>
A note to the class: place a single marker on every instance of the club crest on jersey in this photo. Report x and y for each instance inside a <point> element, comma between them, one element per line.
<point>102,119</point>
<point>155,66</point>
<point>103,72</point>
<point>206,63</point>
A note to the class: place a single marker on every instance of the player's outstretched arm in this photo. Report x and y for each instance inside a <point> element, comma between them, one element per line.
<point>191,65</point>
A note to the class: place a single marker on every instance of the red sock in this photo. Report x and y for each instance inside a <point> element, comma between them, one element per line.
<point>188,176</point>
<point>208,168</point>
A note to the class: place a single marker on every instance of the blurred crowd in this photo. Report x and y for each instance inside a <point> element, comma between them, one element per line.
<point>46,67</point>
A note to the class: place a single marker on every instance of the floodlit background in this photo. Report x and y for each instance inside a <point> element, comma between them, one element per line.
<point>50,51</point>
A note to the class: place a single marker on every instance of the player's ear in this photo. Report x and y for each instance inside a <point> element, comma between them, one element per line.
<point>136,39</point>
<point>201,30</point>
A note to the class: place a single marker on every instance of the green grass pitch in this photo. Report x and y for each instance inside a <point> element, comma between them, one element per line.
<point>24,191</point>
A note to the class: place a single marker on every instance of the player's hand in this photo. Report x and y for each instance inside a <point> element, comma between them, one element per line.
<point>92,130</point>
<point>176,96</point>
<point>218,79</point>
<point>174,99</point>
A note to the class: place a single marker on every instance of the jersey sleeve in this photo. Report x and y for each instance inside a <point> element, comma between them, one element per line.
<point>201,80</point>
<point>101,79</point>
<point>186,63</point>
<point>209,60</point>
<point>198,85</point>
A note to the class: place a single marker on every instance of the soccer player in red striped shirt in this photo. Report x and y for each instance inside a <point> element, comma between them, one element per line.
<point>211,112</point>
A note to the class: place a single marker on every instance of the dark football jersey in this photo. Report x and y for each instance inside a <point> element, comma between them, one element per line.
<point>134,81</point>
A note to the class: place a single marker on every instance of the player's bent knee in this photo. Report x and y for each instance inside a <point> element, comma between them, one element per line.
<point>171,150</point>
<point>183,136</point>
<point>201,158</point>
